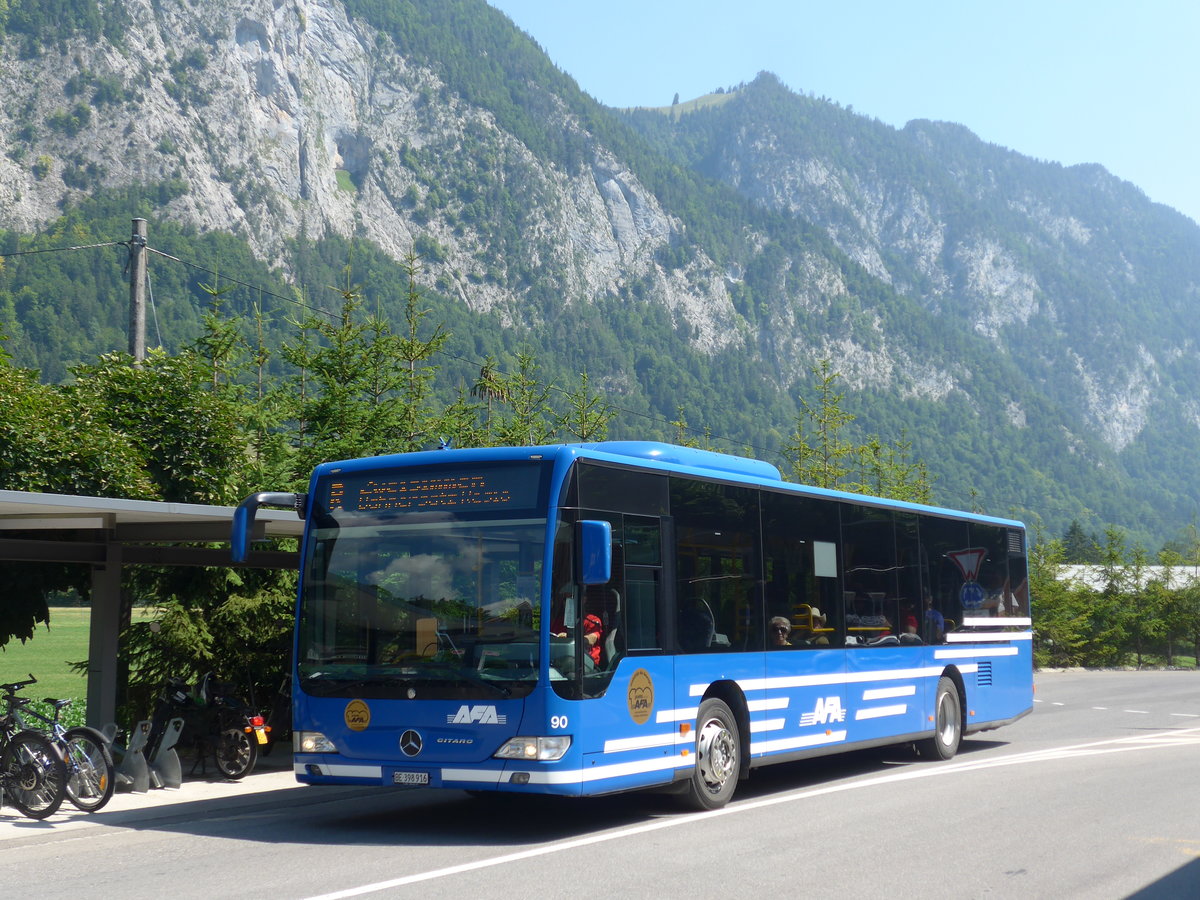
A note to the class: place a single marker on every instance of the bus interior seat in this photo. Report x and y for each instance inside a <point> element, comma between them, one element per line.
<point>610,617</point>
<point>612,650</point>
<point>696,625</point>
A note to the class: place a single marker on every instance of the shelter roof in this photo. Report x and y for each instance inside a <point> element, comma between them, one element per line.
<point>38,527</point>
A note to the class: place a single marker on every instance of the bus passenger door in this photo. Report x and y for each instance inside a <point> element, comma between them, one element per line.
<point>803,708</point>
<point>885,671</point>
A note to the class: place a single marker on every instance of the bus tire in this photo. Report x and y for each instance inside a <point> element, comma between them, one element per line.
<point>947,712</point>
<point>718,757</point>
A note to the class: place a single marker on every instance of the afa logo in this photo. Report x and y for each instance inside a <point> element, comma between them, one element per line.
<point>640,696</point>
<point>828,709</point>
<point>357,715</point>
<point>478,714</point>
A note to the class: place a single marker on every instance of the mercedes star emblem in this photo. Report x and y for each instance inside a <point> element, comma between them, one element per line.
<point>410,743</point>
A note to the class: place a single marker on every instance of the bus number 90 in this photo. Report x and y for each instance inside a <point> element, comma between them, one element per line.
<point>558,721</point>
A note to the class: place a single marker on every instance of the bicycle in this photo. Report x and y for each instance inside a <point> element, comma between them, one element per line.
<point>33,776</point>
<point>91,775</point>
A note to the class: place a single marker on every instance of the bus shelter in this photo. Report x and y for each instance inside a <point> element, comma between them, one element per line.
<point>108,534</point>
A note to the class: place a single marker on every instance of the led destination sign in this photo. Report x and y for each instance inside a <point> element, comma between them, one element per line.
<point>478,488</point>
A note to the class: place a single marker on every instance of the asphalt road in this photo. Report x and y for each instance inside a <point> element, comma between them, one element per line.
<point>1094,795</point>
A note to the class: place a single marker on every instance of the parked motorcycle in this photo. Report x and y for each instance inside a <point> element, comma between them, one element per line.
<point>217,724</point>
<point>279,717</point>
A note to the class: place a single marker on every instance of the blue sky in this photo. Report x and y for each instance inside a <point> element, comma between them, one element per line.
<point>1106,82</point>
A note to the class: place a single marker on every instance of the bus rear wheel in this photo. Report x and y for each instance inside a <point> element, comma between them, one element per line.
<point>947,711</point>
<point>718,757</point>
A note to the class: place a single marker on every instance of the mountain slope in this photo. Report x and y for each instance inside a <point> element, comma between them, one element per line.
<point>1026,326</point>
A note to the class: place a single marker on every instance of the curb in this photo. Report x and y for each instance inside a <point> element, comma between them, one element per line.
<point>195,799</point>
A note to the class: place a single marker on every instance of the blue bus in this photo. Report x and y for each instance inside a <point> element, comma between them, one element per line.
<point>584,619</point>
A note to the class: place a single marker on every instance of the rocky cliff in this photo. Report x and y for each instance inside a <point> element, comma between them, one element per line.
<point>289,118</point>
<point>1029,327</point>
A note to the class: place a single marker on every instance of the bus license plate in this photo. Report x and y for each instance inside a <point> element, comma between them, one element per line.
<point>410,778</point>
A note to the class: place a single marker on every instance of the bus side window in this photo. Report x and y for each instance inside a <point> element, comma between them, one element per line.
<point>718,561</point>
<point>641,610</point>
<point>801,575</point>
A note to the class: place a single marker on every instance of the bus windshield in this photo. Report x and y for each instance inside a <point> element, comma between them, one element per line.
<point>421,605</point>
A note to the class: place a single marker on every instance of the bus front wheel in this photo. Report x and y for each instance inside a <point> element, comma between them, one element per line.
<point>947,713</point>
<point>718,757</point>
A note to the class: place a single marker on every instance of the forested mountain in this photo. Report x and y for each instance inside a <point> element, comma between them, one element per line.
<point>1026,326</point>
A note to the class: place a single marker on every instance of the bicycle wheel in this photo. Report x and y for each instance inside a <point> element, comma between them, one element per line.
<point>90,775</point>
<point>235,753</point>
<point>33,774</point>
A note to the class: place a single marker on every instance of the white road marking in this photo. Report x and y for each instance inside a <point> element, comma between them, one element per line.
<point>1116,745</point>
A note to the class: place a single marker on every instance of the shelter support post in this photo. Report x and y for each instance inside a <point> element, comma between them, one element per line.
<point>105,631</point>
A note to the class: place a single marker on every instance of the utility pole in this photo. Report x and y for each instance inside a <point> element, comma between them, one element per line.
<point>137,291</point>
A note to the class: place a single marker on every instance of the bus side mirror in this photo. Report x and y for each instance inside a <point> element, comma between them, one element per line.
<point>243,518</point>
<point>595,552</point>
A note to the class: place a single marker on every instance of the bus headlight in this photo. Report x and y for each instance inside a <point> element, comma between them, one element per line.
<point>312,742</point>
<point>543,749</point>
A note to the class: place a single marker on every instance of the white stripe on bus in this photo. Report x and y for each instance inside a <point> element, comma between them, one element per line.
<point>768,725</point>
<point>614,770</point>
<point>687,714</point>
<point>768,703</point>
<point>977,653</point>
<point>342,770</point>
<point>482,776</point>
<point>908,690</point>
<point>830,678</point>
<point>977,637</point>
<point>641,742</point>
<point>880,712</point>
<point>797,743</point>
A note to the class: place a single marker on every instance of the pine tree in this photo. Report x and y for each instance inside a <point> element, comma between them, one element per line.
<point>818,452</point>
<point>587,415</point>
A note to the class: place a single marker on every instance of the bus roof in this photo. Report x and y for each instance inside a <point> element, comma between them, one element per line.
<point>653,455</point>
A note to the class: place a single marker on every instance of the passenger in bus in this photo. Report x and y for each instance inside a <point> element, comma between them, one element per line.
<point>910,631</point>
<point>935,624</point>
<point>779,630</point>
<point>593,626</point>
<point>810,632</point>
<point>593,632</point>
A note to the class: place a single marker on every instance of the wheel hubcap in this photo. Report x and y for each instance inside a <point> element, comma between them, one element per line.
<point>716,754</point>
<point>946,714</point>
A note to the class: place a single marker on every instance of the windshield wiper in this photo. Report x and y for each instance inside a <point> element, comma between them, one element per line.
<point>322,684</point>
<point>472,677</point>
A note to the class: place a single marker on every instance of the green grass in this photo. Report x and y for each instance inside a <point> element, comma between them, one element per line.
<point>48,656</point>
<point>678,109</point>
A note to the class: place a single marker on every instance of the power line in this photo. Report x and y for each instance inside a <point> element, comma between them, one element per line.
<point>244,284</point>
<point>63,249</point>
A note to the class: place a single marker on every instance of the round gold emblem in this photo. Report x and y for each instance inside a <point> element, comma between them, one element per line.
<point>357,715</point>
<point>641,696</point>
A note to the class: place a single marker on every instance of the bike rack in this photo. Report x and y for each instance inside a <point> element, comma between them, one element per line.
<point>165,768</point>
<point>132,770</point>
